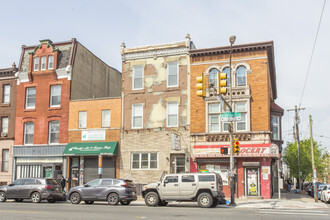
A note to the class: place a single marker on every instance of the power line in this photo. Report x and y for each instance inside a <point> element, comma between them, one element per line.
<point>311,58</point>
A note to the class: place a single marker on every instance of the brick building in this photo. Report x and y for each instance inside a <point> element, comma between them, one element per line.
<point>50,75</point>
<point>155,96</point>
<point>258,131</point>
<point>94,135</point>
<point>7,121</point>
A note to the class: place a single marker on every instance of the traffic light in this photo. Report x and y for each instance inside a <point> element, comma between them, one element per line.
<point>224,150</point>
<point>222,83</point>
<point>236,147</point>
<point>200,85</point>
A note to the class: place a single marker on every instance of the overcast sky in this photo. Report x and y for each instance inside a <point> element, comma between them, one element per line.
<point>101,26</point>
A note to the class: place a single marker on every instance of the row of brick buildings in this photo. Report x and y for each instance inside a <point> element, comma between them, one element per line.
<point>70,114</point>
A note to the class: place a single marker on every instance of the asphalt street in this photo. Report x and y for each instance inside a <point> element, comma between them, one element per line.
<point>138,210</point>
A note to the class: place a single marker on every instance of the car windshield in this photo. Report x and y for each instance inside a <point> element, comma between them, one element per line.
<point>51,182</point>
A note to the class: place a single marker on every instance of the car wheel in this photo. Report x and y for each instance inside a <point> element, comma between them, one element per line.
<point>125,202</point>
<point>205,200</point>
<point>113,199</point>
<point>88,202</point>
<point>51,200</point>
<point>162,203</point>
<point>75,198</point>
<point>3,197</point>
<point>151,199</point>
<point>35,197</point>
<point>215,203</point>
<point>18,200</point>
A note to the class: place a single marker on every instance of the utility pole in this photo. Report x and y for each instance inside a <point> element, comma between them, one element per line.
<point>296,119</point>
<point>313,166</point>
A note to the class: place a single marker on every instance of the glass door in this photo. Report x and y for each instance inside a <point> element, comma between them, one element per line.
<point>252,185</point>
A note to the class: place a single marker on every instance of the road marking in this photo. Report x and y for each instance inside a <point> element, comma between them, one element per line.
<point>289,210</point>
<point>26,212</point>
<point>293,213</point>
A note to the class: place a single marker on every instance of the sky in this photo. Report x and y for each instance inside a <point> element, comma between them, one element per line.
<point>102,26</point>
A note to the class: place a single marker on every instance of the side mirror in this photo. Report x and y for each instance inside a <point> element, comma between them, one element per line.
<point>86,185</point>
<point>11,184</point>
<point>165,181</point>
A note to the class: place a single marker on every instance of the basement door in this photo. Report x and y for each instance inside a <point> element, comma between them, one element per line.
<point>252,181</point>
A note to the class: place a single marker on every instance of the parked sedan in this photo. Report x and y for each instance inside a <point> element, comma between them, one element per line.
<point>111,190</point>
<point>35,189</point>
<point>325,193</point>
<point>319,189</point>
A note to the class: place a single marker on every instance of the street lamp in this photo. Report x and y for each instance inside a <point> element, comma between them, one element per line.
<point>231,128</point>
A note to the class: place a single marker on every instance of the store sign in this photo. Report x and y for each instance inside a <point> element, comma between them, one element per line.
<point>176,142</point>
<point>93,135</point>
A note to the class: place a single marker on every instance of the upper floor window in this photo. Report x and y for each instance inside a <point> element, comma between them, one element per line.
<point>241,108</point>
<point>172,74</point>
<point>137,116</point>
<point>50,62</point>
<point>30,99</point>
<point>6,94</point>
<point>214,117</point>
<point>36,64</point>
<point>82,118</point>
<point>54,132</point>
<point>137,77</point>
<point>43,62</point>
<point>105,118</point>
<point>213,77</point>
<point>4,125</point>
<point>275,127</point>
<point>241,76</point>
<point>55,95</point>
<point>28,132</point>
<point>172,114</point>
<point>144,161</point>
<point>5,160</point>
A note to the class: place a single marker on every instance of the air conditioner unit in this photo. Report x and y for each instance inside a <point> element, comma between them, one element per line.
<point>4,134</point>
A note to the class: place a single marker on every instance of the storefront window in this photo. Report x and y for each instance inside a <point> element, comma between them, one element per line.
<point>74,172</point>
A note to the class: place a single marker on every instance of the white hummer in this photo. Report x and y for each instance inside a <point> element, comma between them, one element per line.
<point>205,188</point>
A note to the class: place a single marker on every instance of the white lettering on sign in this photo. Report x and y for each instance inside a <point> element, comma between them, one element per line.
<point>93,135</point>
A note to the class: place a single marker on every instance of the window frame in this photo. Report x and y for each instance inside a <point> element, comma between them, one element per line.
<point>27,97</point>
<point>168,74</point>
<point>43,61</point>
<point>25,125</point>
<point>51,95</point>
<point>5,95</point>
<point>49,57</point>
<point>79,127</point>
<point>236,76</point>
<point>275,125</point>
<point>3,161</point>
<point>218,113</point>
<point>103,118</point>
<point>50,133</point>
<point>2,124</point>
<point>133,115</point>
<point>244,112</point>
<point>133,77</point>
<point>167,114</point>
<point>140,160</point>
<point>36,64</point>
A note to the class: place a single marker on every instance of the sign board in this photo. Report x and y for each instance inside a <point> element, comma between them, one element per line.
<point>231,116</point>
<point>93,135</point>
<point>176,142</point>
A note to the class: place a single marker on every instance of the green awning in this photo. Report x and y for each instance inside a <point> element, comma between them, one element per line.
<point>95,148</point>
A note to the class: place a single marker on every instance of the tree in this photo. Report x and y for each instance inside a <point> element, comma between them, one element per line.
<point>290,157</point>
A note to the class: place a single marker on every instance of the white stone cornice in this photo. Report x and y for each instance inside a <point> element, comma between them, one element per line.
<point>155,53</point>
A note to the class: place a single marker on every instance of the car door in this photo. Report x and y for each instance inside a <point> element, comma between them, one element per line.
<point>24,189</point>
<point>12,190</point>
<point>103,189</point>
<point>90,190</point>
<point>188,186</point>
<point>169,188</point>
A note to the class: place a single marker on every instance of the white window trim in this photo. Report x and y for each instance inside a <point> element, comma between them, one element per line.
<point>51,96</point>
<point>34,65</point>
<point>177,113</point>
<point>4,94</point>
<point>49,132</point>
<point>49,62</point>
<point>79,120</point>
<point>140,157</point>
<point>26,98</point>
<point>133,114</point>
<point>42,63</point>
<point>177,74</point>
<point>208,117</point>
<point>278,127</point>
<point>133,77</point>
<point>246,118</point>
<point>2,119</point>
<point>102,118</point>
<point>25,132</point>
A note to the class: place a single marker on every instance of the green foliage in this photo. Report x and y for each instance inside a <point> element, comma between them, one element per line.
<point>290,157</point>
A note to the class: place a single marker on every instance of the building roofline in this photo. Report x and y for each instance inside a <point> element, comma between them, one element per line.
<point>155,47</point>
<point>95,99</point>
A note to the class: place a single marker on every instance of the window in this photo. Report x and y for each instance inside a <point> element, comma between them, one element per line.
<point>4,125</point>
<point>82,119</point>
<point>105,118</point>
<point>137,116</point>
<point>241,76</point>
<point>106,182</point>
<point>55,96</point>
<point>30,97</point>
<point>275,127</point>
<point>28,132</point>
<point>206,178</point>
<point>172,114</point>
<point>51,62</point>
<point>5,160</point>
<point>137,77</point>
<point>144,161</point>
<point>6,94</point>
<point>54,132</point>
<point>213,77</point>
<point>94,182</point>
<point>241,108</point>
<point>172,74</point>
<point>188,178</point>
<point>36,64</point>
<point>214,117</point>
<point>171,179</point>
<point>43,62</point>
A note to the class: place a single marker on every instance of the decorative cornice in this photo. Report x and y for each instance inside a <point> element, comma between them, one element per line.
<point>155,53</point>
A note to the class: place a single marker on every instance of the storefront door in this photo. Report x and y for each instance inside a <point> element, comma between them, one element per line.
<point>252,181</point>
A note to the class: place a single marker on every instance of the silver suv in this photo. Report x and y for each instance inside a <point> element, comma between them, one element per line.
<point>205,188</point>
<point>35,189</point>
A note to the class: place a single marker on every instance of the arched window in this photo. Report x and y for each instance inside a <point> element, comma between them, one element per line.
<point>213,77</point>
<point>241,76</point>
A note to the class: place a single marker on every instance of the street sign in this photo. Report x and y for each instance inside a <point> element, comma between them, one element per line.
<point>231,116</point>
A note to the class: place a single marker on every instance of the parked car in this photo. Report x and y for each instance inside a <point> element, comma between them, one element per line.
<point>319,189</point>
<point>325,193</point>
<point>36,189</point>
<point>111,190</point>
<point>205,188</point>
